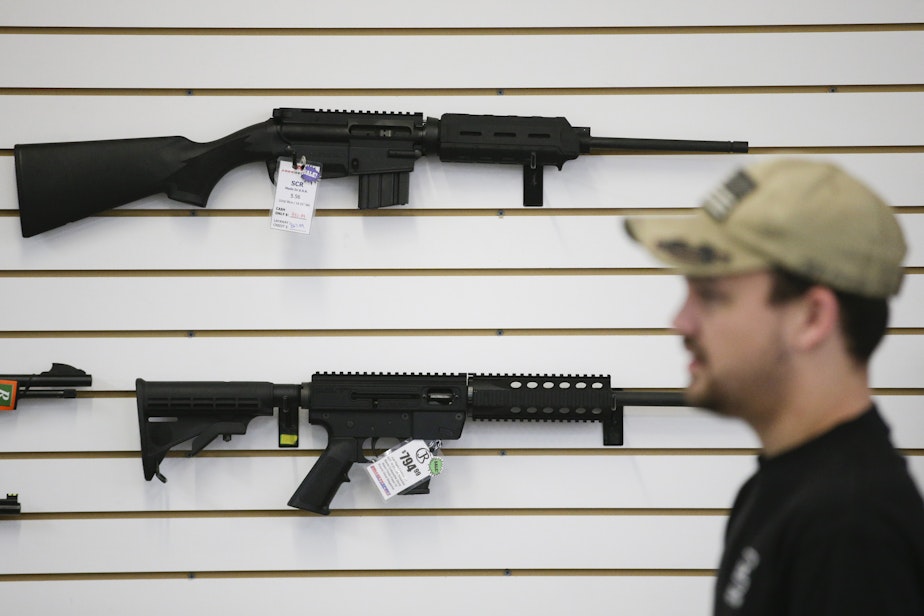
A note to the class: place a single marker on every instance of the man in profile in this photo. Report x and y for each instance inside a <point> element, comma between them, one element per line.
<point>789,268</point>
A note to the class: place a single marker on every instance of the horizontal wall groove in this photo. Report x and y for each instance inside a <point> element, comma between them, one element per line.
<point>360,573</point>
<point>880,391</point>
<point>346,333</point>
<point>455,92</point>
<point>449,451</point>
<point>839,149</point>
<point>769,149</point>
<point>877,391</point>
<point>348,273</point>
<point>314,453</point>
<point>183,211</point>
<point>365,513</point>
<point>310,273</point>
<point>455,31</point>
<point>515,211</point>
<point>363,333</point>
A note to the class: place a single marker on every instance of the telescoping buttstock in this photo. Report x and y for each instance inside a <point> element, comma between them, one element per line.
<point>58,183</point>
<point>354,408</point>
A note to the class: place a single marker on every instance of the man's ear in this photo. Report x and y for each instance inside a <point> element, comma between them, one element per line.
<point>816,318</point>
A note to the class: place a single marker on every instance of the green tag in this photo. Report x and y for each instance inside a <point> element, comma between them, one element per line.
<point>8,391</point>
<point>436,466</point>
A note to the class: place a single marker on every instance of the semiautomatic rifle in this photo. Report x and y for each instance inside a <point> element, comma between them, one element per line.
<point>354,408</point>
<point>62,182</point>
<point>55,383</point>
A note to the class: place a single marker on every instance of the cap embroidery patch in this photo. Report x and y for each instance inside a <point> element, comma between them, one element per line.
<point>683,251</point>
<point>723,199</point>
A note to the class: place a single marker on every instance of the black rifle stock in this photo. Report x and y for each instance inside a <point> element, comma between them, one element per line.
<point>59,183</point>
<point>354,408</point>
<point>54,383</point>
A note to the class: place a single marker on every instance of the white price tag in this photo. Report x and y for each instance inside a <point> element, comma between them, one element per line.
<point>296,187</point>
<point>403,467</point>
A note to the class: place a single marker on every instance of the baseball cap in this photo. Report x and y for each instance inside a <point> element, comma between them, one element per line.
<point>808,217</point>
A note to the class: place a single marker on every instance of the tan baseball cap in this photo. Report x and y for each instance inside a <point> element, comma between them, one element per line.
<point>808,217</point>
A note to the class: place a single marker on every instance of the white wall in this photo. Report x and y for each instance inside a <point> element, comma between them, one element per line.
<point>527,517</point>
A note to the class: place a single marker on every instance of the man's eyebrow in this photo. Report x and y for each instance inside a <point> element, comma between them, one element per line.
<point>708,287</point>
<point>701,282</point>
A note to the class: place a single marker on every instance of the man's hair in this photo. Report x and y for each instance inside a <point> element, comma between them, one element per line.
<point>863,319</point>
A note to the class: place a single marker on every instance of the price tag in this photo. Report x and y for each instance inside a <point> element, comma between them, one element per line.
<point>296,187</point>
<point>402,467</point>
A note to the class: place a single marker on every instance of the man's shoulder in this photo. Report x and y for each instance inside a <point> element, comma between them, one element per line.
<point>857,476</point>
<point>862,494</point>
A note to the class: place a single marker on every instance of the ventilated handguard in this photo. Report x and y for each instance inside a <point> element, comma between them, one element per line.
<point>548,398</point>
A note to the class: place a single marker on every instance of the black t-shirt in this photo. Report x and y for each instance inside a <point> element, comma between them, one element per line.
<point>835,526</point>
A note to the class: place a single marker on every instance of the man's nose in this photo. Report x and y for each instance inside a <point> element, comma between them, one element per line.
<point>684,321</point>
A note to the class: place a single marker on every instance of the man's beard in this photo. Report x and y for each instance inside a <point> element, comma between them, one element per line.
<point>700,391</point>
<point>747,394</point>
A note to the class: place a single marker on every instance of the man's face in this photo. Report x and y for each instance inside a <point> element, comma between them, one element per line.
<point>736,338</point>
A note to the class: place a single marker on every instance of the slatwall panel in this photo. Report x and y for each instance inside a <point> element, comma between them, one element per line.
<point>528,517</point>
<point>476,14</point>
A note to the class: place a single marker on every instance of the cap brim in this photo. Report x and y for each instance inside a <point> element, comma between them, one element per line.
<point>695,245</point>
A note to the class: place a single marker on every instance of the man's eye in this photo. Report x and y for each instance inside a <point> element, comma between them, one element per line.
<point>709,296</point>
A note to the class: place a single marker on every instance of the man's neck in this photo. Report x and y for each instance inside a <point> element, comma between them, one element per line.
<point>814,407</point>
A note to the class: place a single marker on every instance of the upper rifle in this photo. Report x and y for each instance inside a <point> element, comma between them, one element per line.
<point>59,183</point>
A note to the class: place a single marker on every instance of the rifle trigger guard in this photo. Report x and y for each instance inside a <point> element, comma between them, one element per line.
<point>271,167</point>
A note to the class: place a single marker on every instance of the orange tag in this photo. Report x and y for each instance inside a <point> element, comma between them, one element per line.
<point>8,391</point>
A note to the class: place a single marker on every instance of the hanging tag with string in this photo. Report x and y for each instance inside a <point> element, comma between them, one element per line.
<point>406,468</point>
<point>296,188</point>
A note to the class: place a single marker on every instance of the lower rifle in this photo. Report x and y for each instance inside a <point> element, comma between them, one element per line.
<point>354,408</point>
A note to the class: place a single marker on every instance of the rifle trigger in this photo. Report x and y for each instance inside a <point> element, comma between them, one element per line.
<point>271,167</point>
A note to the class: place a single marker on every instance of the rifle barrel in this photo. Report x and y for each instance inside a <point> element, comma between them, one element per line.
<point>60,376</point>
<point>670,145</point>
<point>648,398</point>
